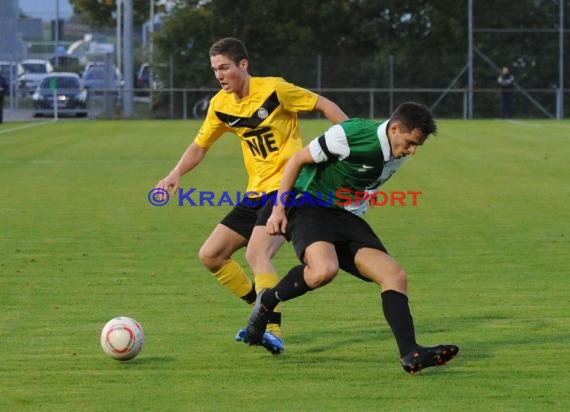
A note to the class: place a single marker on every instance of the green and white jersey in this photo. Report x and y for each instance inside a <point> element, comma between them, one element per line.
<point>352,156</point>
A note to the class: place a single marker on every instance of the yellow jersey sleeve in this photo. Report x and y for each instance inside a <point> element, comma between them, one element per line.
<point>212,127</point>
<point>295,98</point>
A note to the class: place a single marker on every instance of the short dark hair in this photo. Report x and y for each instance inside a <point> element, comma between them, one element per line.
<point>231,47</point>
<point>414,115</point>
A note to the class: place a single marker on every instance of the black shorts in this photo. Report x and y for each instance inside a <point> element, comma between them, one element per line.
<point>250,212</point>
<point>346,231</point>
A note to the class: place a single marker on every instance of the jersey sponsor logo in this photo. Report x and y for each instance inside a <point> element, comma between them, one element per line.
<point>261,142</point>
<point>364,168</point>
<point>251,122</point>
<point>262,113</point>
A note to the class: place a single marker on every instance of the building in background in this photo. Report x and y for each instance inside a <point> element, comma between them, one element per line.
<point>30,29</point>
<point>12,46</point>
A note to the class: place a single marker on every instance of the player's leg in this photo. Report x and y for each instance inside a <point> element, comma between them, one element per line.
<point>389,275</point>
<point>321,266</point>
<point>259,254</point>
<point>309,229</point>
<point>260,251</point>
<point>216,253</point>
<point>379,267</point>
<point>230,235</point>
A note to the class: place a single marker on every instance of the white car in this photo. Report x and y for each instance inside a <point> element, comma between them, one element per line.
<point>35,70</point>
<point>13,73</point>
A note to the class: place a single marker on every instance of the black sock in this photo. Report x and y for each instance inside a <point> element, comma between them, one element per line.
<point>251,296</point>
<point>397,314</point>
<point>291,286</point>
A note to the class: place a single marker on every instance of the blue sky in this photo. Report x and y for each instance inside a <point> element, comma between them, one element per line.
<point>45,9</point>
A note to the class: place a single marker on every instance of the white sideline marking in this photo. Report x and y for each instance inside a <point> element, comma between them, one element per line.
<point>14,129</point>
<point>520,123</point>
<point>554,124</point>
<point>76,162</point>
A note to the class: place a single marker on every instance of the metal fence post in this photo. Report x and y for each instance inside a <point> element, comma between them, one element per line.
<point>391,83</point>
<point>55,104</point>
<point>171,87</point>
<point>185,105</point>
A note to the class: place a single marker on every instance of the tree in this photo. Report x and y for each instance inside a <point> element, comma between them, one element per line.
<point>101,13</point>
<point>532,55</point>
<point>354,39</point>
<point>357,39</point>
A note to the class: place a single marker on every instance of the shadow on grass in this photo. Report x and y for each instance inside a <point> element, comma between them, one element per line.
<point>328,340</point>
<point>150,360</point>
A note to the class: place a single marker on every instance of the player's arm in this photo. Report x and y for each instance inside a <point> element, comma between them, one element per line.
<point>330,110</point>
<point>189,160</point>
<point>277,222</point>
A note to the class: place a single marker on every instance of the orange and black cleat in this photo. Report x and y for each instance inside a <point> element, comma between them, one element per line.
<point>424,357</point>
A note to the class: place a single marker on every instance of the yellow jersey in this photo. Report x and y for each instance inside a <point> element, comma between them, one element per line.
<point>266,121</point>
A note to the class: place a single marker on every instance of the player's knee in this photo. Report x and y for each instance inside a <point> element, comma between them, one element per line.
<point>210,258</point>
<point>321,274</point>
<point>253,257</point>
<point>396,280</point>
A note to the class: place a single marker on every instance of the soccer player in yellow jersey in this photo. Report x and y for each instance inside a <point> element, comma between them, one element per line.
<point>263,113</point>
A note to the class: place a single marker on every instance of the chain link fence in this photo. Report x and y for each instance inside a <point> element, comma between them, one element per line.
<point>363,88</point>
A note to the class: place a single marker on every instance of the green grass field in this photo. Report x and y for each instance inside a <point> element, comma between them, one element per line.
<point>487,249</point>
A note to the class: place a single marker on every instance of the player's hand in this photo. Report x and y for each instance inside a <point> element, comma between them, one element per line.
<point>170,183</point>
<point>277,222</point>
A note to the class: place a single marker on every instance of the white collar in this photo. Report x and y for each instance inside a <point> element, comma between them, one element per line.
<point>384,142</point>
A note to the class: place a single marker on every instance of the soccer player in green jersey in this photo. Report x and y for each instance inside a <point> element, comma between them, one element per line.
<point>356,156</point>
<point>263,113</point>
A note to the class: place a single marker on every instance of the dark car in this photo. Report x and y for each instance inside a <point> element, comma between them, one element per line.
<point>143,78</point>
<point>67,89</point>
<point>66,64</point>
<point>100,78</point>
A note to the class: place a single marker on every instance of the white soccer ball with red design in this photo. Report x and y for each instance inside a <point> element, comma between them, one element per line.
<point>122,338</point>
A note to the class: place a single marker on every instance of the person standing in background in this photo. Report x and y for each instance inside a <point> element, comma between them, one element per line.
<point>3,89</point>
<point>506,82</point>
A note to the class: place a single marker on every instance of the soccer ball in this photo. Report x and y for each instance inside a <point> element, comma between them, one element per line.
<point>122,338</point>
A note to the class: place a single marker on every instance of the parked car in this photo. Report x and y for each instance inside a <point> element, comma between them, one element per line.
<point>65,64</point>
<point>143,80</point>
<point>143,76</point>
<point>69,91</point>
<point>100,78</point>
<point>34,72</point>
<point>13,73</point>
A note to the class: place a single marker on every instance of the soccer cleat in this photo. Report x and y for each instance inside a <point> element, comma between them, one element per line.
<point>423,357</point>
<point>257,322</point>
<point>271,342</point>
